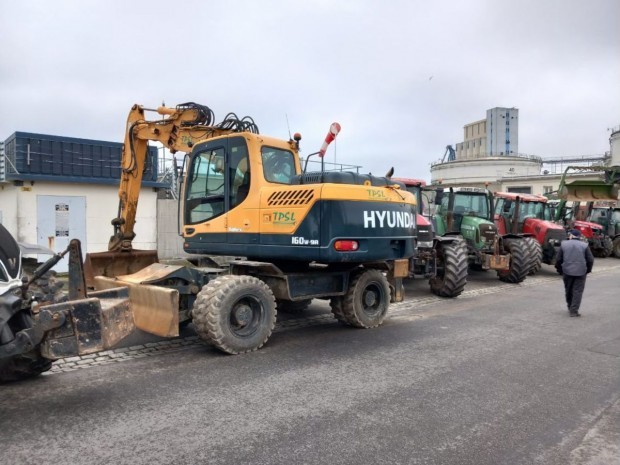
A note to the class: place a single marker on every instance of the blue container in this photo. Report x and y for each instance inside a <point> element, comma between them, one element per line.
<point>32,157</point>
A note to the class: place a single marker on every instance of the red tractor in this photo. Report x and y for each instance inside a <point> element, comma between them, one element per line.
<point>530,215</point>
<point>441,259</point>
<point>576,216</point>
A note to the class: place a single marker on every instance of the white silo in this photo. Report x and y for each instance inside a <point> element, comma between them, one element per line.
<point>614,146</point>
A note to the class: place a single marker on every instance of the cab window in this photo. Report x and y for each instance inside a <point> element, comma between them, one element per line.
<point>278,165</point>
<point>205,188</point>
<point>468,204</point>
<point>239,172</point>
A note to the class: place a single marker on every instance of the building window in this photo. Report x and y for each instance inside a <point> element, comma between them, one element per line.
<point>547,189</point>
<point>520,189</point>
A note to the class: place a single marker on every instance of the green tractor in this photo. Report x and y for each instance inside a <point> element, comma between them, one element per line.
<point>468,211</point>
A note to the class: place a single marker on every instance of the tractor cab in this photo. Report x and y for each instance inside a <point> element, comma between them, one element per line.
<point>462,211</point>
<point>521,213</point>
<point>608,217</point>
<point>530,215</point>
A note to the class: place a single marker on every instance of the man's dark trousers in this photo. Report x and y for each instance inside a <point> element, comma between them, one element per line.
<point>573,288</point>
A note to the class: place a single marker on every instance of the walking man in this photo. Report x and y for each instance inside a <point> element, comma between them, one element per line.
<point>574,262</point>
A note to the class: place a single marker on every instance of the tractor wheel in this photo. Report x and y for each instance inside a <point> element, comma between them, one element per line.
<point>616,245</point>
<point>367,300</point>
<point>336,305</point>
<point>451,269</point>
<point>235,313</point>
<point>536,255</point>
<point>520,261</point>
<point>293,306</point>
<point>26,365</point>
<point>608,247</point>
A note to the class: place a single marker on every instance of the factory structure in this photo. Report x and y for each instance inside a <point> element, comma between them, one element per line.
<point>489,156</point>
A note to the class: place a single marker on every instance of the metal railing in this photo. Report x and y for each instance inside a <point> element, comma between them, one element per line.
<point>484,156</point>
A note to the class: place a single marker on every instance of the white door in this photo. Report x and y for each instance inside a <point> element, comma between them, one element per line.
<point>59,219</point>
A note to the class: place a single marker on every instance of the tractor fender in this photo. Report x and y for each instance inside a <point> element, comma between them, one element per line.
<point>448,237</point>
<point>515,236</point>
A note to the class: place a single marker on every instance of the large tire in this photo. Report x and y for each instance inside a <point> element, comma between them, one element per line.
<point>452,268</point>
<point>336,305</point>
<point>367,300</point>
<point>293,306</point>
<point>519,261</point>
<point>616,245</point>
<point>608,246</point>
<point>26,365</point>
<point>536,255</point>
<point>234,313</point>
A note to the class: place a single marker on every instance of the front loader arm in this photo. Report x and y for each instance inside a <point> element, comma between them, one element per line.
<point>181,128</point>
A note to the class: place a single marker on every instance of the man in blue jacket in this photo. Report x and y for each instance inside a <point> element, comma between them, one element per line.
<point>574,262</point>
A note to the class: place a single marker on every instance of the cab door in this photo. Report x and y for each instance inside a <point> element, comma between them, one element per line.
<point>205,199</point>
<point>218,182</point>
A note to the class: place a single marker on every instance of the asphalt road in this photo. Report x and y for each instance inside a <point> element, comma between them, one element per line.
<point>500,375</point>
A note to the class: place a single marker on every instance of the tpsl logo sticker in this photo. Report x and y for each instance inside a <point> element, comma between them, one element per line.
<point>283,217</point>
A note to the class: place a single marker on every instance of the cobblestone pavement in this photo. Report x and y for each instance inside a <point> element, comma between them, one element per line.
<point>182,343</point>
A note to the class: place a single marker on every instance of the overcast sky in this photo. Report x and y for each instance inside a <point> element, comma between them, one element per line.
<point>401,77</point>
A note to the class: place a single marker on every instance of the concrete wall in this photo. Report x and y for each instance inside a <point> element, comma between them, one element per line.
<point>19,212</point>
<point>169,243</point>
<point>540,184</point>
<point>483,170</point>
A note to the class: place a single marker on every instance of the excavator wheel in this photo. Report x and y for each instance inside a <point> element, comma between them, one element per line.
<point>235,313</point>
<point>367,300</point>
<point>616,245</point>
<point>536,255</point>
<point>336,305</point>
<point>451,269</point>
<point>291,306</point>
<point>26,365</point>
<point>520,261</point>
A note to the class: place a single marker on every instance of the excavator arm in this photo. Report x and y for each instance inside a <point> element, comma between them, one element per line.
<point>181,128</point>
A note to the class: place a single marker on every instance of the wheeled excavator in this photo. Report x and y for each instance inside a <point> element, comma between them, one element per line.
<point>338,236</point>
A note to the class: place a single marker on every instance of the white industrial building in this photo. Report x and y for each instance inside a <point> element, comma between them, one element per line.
<point>53,189</point>
<point>488,156</point>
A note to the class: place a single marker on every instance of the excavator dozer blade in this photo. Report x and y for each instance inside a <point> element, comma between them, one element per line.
<point>88,325</point>
<point>113,264</point>
<point>155,309</point>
